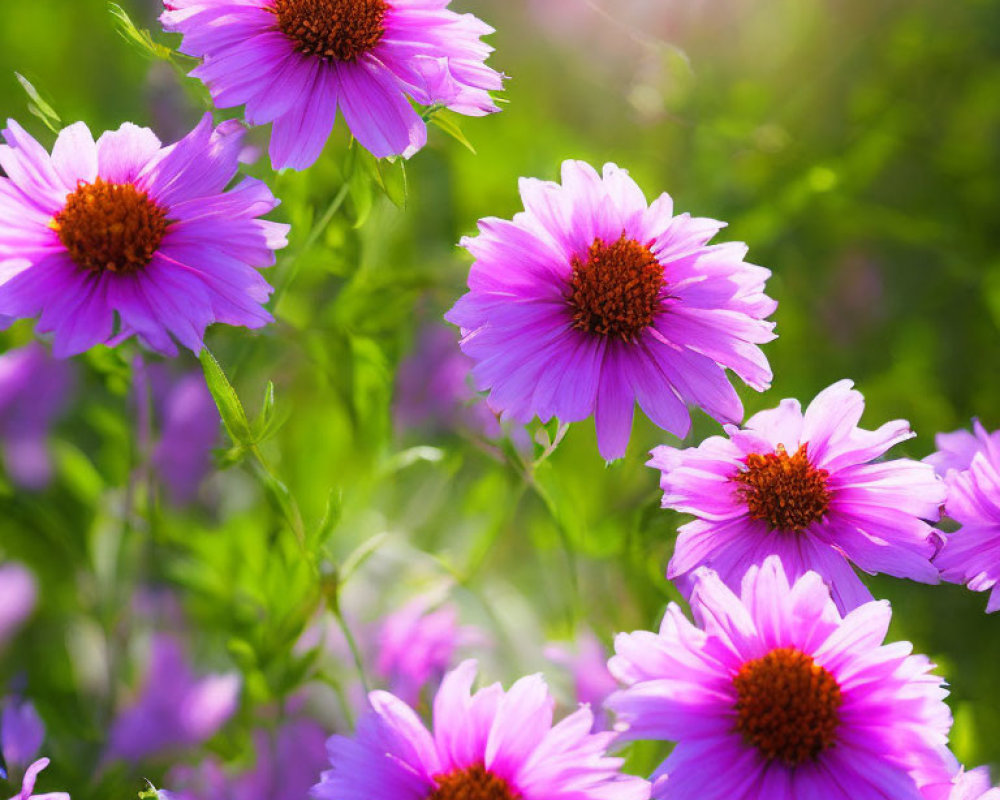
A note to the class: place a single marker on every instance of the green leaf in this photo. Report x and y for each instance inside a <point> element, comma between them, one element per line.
<point>447,122</point>
<point>360,555</point>
<point>392,175</point>
<point>37,105</point>
<point>141,39</point>
<point>226,400</point>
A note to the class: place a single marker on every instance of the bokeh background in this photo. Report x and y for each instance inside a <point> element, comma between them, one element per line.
<point>854,145</point>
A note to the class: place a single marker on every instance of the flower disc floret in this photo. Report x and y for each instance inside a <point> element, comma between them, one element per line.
<point>787,706</point>
<point>810,487</point>
<point>471,783</point>
<point>110,226</point>
<point>338,30</point>
<point>616,289</point>
<point>786,492</point>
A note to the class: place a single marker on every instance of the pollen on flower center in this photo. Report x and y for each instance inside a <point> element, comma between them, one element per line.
<point>788,706</point>
<point>110,227</point>
<point>615,289</point>
<point>787,492</point>
<point>472,783</point>
<point>337,30</point>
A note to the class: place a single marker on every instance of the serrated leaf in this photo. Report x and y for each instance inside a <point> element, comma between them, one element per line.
<point>231,410</point>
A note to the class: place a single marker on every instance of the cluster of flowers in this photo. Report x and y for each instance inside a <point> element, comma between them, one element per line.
<point>587,302</point>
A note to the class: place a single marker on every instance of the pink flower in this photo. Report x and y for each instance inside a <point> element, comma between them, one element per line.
<point>971,464</point>
<point>972,785</point>
<point>592,299</point>
<point>296,62</point>
<point>588,664</point>
<point>805,487</point>
<point>775,695</point>
<point>491,744</point>
<point>957,449</point>
<point>128,227</point>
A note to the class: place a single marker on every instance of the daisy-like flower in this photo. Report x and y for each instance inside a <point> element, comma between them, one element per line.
<point>591,299</point>
<point>971,464</point>
<point>956,450</point>
<point>491,745</point>
<point>295,62</point>
<point>126,226</point>
<point>775,695</point>
<point>972,785</point>
<point>805,487</point>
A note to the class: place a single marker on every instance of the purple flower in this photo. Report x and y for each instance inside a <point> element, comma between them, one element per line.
<point>591,300</point>
<point>21,733</point>
<point>415,645</point>
<point>492,744</point>
<point>957,449</point>
<point>18,595</point>
<point>972,467</point>
<point>286,765</point>
<point>434,388</point>
<point>294,62</point>
<point>189,430</point>
<point>972,785</point>
<point>128,227</point>
<point>174,708</point>
<point>775,695</point>
<point>803,486</point>
<point>28,784</point>
<point>34,390</point>
<point>588,664</point>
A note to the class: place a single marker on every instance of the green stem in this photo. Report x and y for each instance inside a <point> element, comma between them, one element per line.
<point>352,643</point>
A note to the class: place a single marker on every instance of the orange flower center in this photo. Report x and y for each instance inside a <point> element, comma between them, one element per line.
<point>332,30</point>
<point>472,783</point>
<point>110,227</point>
<point>615,290</point>
<point>788,706</point>
<point>787,492</point>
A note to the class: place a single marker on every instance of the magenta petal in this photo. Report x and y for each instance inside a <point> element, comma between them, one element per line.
<point>377,111</point>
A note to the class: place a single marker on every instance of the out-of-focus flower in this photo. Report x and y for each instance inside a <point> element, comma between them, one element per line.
<point>803,486</point>
<point>587,662</point>
<point>775,695</point>
<point>189,430</point>
<point>295,62</point>
<point>493,744</point>
<point>286,765</point>
<point>972,785</point>
<point>18,595</point>
<point>129,227</point>
<point>34,390</point>
<point>21,733</point>
<point>971,464</point>
<point>434,388</point>
<point>592,299</point>
<point>414,646</point>
<point>28,784</point>
<point>174,709</point>
<point>956,450</point>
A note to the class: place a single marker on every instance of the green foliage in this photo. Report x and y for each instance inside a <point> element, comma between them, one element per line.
<point>852,145</point>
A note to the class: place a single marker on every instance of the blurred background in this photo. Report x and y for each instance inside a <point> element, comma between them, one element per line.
<point>853,145</point>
